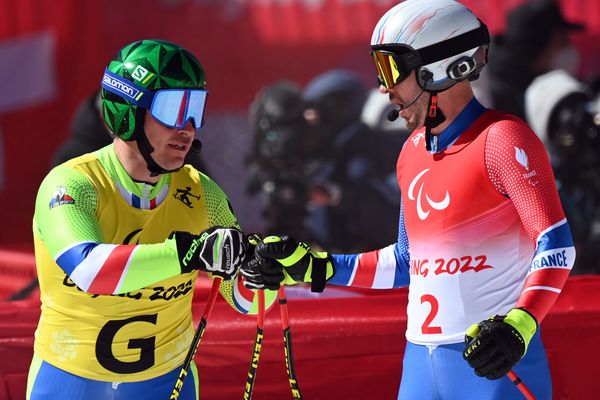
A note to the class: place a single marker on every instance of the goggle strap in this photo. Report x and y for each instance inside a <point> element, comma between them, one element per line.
<point>132,92</point>
<point>453,46</point>
<point>442,50</point>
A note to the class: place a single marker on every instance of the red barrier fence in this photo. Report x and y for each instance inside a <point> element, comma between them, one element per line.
<point>348,345</point>
<point>17,270</point>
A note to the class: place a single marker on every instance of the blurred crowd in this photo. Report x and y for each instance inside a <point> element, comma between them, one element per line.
<point>325,172</point>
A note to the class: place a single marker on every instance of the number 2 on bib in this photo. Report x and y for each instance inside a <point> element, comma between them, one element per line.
<point>426,328</point>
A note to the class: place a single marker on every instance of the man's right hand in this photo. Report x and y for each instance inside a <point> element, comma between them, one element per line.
<point>281,259</point>
<point>217,250</point>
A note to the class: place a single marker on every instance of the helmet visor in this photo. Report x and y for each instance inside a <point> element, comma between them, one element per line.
<point>175,107</point>
<point>389,72</point>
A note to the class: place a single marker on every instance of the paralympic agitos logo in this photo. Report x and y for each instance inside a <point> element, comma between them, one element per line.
<point>422,209</point>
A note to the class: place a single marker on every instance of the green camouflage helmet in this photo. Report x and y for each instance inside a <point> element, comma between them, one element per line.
<point>152,64</point>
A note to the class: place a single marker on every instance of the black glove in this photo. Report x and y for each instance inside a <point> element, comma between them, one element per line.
<point>495,345</point>
<point>261,273</point>
<point>282,259</point>
<point>217,250</point>
<point>256,277</point>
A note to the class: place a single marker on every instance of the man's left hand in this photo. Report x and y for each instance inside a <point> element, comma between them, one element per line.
<point>495,345</point>
<point>260,273</point>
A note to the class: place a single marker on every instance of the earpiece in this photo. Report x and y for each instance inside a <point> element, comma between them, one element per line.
<point>424,77</point>
<point>461,68</point>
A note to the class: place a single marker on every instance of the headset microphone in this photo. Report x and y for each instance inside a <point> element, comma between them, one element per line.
<point>395,113</point>
<point>196,146</point>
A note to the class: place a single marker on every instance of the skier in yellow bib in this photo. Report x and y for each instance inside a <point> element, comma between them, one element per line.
<point>120,235</point>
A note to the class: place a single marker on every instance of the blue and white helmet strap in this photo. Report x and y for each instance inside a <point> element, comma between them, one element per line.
<point>132,92</point>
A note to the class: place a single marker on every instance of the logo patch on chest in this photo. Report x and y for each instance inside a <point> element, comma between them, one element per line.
<point>184,195</point>
<point>522,159</point>
<point>424,202</point>
<point>60,197</point>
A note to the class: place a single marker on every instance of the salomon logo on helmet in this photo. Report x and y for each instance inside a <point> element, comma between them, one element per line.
<point>122,87</point>
<point>139,73</point>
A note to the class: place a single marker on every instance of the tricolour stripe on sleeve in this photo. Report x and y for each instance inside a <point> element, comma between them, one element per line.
<point>135,201</point>
<point>555,236</point>
<point>69,258</point>
<point>125,270</point>
<point>386,269</point>
<point>85,272</point>
<point>402,277</point>
<point>111,272</point>
<point>242,296</point>
<point>379,269</point>
<point>345,266</point>
<point>555,248</point>
<point>365,272</point>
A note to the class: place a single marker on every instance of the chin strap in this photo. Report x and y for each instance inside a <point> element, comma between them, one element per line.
<point>144,146</point>
<point>434,118</point>
<point>146,150</point>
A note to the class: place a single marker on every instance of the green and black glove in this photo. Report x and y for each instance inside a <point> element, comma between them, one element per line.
<point>495,345</point>
<point>217,250</point>
<point>281,259</point>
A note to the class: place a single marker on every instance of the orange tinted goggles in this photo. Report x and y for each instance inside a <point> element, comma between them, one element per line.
<point>389,72</point>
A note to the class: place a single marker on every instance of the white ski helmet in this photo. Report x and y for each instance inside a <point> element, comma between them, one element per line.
<point>442,39</point>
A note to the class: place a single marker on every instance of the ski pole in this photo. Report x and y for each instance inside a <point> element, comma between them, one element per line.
<point>520,385</point>
<point>210,302</point>
<point>257,345</point>
<point>287,338</point>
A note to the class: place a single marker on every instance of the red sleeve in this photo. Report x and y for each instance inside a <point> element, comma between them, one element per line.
<point>519,168</point>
